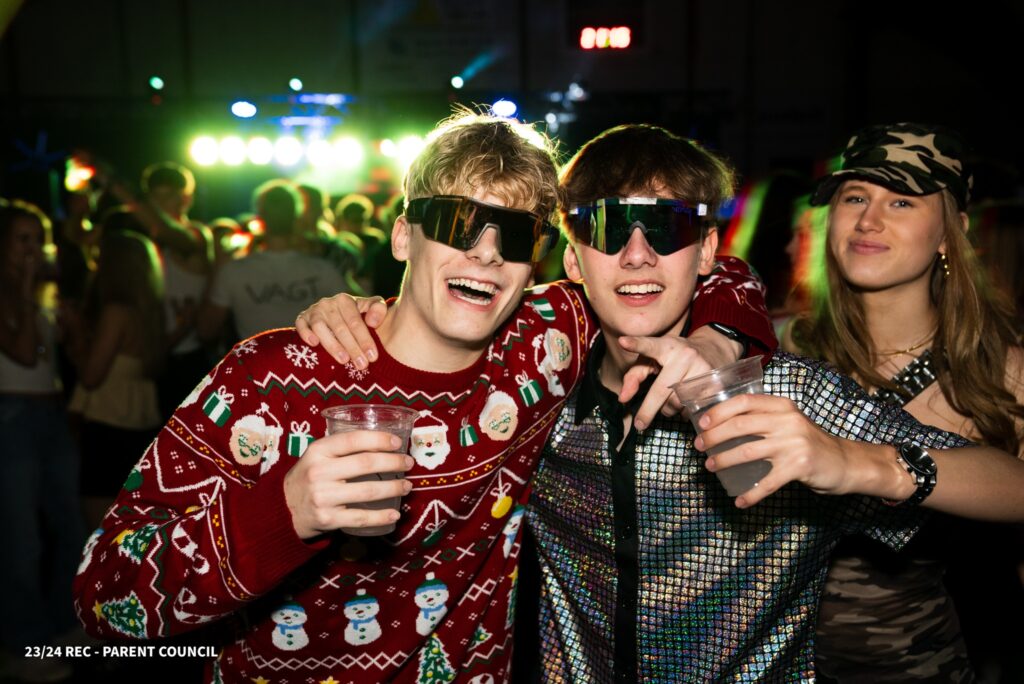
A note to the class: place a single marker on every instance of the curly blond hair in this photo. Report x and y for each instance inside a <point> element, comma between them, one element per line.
<point>472,151</point>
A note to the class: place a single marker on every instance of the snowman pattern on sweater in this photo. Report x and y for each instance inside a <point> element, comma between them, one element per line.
<point>361,613</point>
<point>289,633</point>
<point>431,599</point>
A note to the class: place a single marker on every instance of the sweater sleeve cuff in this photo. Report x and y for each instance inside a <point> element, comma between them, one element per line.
<point>756,327</point>
<point>264,545</point>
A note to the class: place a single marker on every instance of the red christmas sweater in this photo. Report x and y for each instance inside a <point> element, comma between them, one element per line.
<point>201,531</point>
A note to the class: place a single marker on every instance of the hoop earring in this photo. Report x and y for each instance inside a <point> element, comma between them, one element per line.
<point>945,264</point>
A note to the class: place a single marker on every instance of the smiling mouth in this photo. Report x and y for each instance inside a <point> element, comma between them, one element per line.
<point>472,291</point>
<point>868,247</point>
<point>639,290</point>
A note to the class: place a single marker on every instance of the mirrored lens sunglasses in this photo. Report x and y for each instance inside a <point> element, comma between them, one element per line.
<point>460,221</point>
<point>667,225</point>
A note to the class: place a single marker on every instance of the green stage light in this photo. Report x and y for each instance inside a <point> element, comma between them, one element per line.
<point>232,150</point>
<point>203,150</point>
<point>287,151</point>
<point>388,147</point>
<point>458,82</point>
<point>295,84</point>
<point>156,83</point>
<point>261,151</point>
<point>349,152</point>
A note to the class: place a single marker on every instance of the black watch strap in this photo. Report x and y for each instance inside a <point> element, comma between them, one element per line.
<point>732,334</point>
<point>916,461</point>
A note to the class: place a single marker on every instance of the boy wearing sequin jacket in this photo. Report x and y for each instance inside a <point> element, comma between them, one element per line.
<point>232,514</point>
<point>650,571</point>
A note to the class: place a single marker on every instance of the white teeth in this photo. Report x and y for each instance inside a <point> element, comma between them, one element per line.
<point>645,288</point>
<point>487,288</point>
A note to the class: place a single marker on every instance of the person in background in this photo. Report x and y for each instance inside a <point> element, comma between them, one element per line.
<point>352,216</point>
<point>267,288</point>
<point>343,249</point>
<point>185,248</point>
<point>118,346</point>
<point>39,464</point>
<point>907,313</point>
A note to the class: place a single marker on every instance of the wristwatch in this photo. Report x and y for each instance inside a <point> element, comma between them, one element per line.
<point>921,467</point>
<point>732,334</point>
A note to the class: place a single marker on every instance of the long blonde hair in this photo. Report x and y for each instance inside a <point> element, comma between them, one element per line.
<point>976,327</point>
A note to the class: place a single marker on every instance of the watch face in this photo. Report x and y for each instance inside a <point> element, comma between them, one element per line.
<point>917,458</point>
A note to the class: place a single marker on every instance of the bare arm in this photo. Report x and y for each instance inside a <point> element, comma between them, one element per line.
<point>974,482</point>
<point>19,335</point>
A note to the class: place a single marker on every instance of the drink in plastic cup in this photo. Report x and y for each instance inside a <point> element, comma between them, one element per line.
<point>700,393</point>
<point>396,420</point>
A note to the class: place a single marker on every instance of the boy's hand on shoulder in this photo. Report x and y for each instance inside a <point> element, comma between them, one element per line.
<point>338,324</point>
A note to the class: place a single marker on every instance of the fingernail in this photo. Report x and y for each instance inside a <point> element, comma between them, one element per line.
<point>698,443</point>
<point>710,464</point>
<point>407,487</point>
<point>341,358</point>
<point>395,442</point>
<point>639,425</point>
<point>704,421</point>
<point>360,362</point>
<point>409,463</point>
<point>393,516</point>
<point>371,354</point>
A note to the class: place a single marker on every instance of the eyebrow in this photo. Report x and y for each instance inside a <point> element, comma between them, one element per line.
<point>851,184</point>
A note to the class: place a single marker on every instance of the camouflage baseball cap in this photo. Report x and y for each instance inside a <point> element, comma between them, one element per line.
<point>908,158</point>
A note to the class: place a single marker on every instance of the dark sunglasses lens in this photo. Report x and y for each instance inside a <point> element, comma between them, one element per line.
<point>519,233</point>
<point>459,222</point>
<point>667,228</point>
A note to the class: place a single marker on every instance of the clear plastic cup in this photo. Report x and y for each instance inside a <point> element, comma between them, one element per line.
<point>396,420</point>
<point>700,393</point>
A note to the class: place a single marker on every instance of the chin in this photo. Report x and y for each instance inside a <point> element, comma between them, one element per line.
<point>467,334</point>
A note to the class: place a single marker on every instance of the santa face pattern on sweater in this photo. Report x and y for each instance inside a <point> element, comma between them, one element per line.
<point>429,444</point>
<point>235,525</point>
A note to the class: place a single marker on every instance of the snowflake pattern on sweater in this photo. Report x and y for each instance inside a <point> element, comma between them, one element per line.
<point>207,534</point>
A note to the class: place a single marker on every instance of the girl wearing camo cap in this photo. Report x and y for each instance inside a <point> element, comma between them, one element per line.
<point>906,311</point>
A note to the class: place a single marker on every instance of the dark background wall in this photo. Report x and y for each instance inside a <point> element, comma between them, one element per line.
<point>772,84</point>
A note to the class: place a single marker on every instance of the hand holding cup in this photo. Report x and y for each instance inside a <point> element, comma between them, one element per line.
<point>351,479</point>
<point>701,393</point>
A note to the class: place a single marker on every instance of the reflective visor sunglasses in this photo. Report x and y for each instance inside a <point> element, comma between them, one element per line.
<point>460,221</point>
<point>668,225</point>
